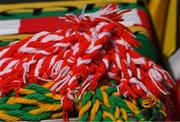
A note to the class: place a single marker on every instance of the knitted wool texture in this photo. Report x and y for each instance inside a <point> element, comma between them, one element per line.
<point>36,102</point>
<point>96,46</point>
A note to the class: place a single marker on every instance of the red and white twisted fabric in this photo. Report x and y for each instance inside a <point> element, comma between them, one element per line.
<point>97,46</point>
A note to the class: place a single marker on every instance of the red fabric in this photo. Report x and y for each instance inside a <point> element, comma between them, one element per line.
<point>35,25</point>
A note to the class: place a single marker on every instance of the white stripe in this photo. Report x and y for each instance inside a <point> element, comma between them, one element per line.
<point>8,69</point>
<point>139,60</point>
<point>38,67</point>
<point>76,48</point>
<point>3,52</point>
<point>26,67</point>
<point>52,60</point>
<point>80,61</point>
<point>5,71</point>
<point>131,18</point>
<point>174,62</point>
<point>36,36</point>
<point>61,44</point>
<point>51,37</point>
<point>111,75</point>
<point>2,61</point>
<point>152,79</point>
<point>9,27</point>
<point>11,64</point>
<point>71,80</point>
<point>93,49</point>
<point>59,82</point>
<point>63,72</point>
<point>138,73</point>
<point>12,43</point>
<point>100,35</point>
<point>100,25</point>
<point>106,63</point>
<point>118,61</point>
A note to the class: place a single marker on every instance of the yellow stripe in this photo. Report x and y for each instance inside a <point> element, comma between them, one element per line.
<point>56,96</point>
<point>109,115</point>
<point>124,114</point>
<point>28,91</point>
<point>133,107</point>
<point>105,99</point>
<point>117,113</point>
<point>141,30</point>
<point>6,117</point>
<point>56,115</point>
<point>46,108</point>
<point>48,84</point>
<point>78,4</point>
<point>169,44</point>
<point>158,10</point>
<point>103,88</point>
<point>25,91</point>
<point>94,110</point>
<point>146,102</point>
<point>15,100</point>
<point>164,113</point>
<point>115,94</point>
<point>84,109</point>
<point>15,37</point>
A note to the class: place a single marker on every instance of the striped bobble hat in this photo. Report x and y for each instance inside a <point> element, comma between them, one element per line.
<point>88,51</point>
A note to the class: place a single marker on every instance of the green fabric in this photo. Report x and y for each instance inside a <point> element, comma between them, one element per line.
<point>5,43</point>
<point>147,49</point>
<point>29,117</point>
<point>21,110</point>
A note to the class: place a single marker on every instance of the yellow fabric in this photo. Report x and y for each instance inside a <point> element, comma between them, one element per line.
<point>158,10</point>
<point>14,37</point>
<point>84,109</point>
<point>124,114</point>
<point>56,115</point>
<point>117,112</point>
<point>94,109</point>
<point>169,44</point>
<point>19,7</point>
<point>164,16</point>
<point>27,91</point>
<point>14,100</point>
<point>108,115</point>
<point>133,107</point>
<point>105,99</point>
<point>46,108</point>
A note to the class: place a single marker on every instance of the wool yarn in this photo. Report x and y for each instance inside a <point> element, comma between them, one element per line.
<point>96,48</point>
<point>35,102</point>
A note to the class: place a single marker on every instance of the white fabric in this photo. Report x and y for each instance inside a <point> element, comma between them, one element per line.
<point>9,26</point>
<point>174,63</point>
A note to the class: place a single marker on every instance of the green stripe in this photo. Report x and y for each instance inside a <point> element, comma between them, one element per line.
<point>147,49</point>
<point>21,15</point>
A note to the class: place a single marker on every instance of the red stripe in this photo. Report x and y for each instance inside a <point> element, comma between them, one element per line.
<point>35,25</point>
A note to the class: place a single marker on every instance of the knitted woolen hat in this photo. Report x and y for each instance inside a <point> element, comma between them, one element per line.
<point>88,67</point>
